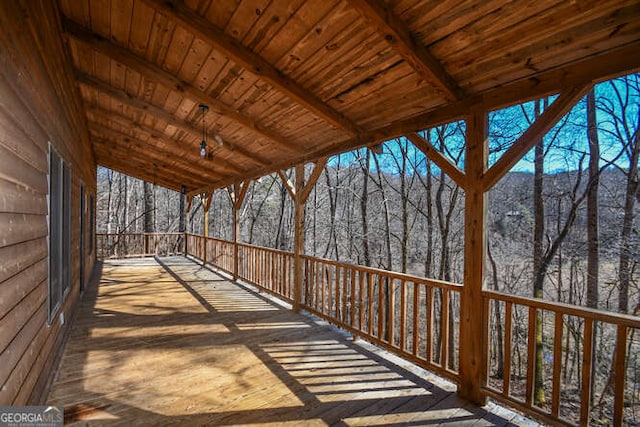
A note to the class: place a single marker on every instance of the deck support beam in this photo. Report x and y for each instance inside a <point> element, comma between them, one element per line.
<point>472,359</point>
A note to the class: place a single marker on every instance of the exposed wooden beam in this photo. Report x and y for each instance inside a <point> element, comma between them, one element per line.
<point>396,33</point>
<point>239,192</point>
<point>108,147</point>
<point>438,158</point>
<point>208,198</point>
<point>290,186</point>
<point>146,177</point>
<point>561,106</point>
<point>124,97</point>
<point>252,62</point>
<point>155,73</point>
<point>313,178</point>
<point>595,69</point>
<point>172,146</point>
<point>138,167</point>
<point>144,150</point>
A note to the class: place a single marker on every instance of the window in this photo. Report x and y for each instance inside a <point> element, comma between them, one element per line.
<point>59,232</point>
<point>91,223</point>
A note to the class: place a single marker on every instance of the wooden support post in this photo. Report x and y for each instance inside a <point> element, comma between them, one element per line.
<point>206,204</point>
<point>472,361</point>
<point>300,194</point>
<point>298,239</point>
<point>237,194</point>
<point>181,223</point>
<point>236,234</point>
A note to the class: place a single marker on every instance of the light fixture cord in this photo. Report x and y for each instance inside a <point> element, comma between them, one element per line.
<point>204,127</point>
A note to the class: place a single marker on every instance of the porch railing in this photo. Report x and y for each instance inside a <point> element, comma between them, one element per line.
<point>123,245</point>
<point>418,319</point>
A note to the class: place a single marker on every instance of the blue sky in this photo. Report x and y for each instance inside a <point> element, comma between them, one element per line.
<point>566,142</point>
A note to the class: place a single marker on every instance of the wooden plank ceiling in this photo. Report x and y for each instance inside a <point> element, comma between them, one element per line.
<point>292,80</point>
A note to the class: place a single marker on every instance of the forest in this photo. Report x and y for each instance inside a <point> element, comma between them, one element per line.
<point>563,225</point>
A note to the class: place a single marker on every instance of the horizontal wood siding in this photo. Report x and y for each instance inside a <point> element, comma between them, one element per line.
<point>39,104</point>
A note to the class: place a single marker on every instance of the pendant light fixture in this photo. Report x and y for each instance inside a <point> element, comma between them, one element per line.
<point>203,145</point>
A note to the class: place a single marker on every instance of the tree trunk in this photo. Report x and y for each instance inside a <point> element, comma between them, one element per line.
<point>498,318</point>
<point>538,238</point>
<point>593,251</point>
<point>363,208</point>
<point>624,265</point>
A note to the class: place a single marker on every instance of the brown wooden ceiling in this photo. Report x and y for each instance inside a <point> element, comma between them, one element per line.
<point>292,80</point>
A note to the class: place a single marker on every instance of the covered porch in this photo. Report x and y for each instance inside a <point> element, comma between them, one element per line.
<point>165,340</point>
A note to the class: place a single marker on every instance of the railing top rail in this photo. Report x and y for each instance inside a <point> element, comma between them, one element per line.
<point>262,248</point>
<point>392,274</point>
<point>139,234</point>
<point>573,310</point>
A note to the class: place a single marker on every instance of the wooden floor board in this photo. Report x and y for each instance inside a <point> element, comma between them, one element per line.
<point>167,342</point>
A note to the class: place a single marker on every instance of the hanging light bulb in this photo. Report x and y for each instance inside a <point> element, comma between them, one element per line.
<point>203,149</point>
<point>203,145</point>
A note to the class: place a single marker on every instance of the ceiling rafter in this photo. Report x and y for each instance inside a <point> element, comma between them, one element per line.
<point>124,97</point>
<point>191,155</point>
<point>106,149</point>
<point>155,73</point>
<point>397,34</point>
<point>254,63</point>
<point>136,145</point>
<point>593,69</point>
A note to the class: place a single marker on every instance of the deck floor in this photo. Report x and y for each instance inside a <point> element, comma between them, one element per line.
<point>167,342</point>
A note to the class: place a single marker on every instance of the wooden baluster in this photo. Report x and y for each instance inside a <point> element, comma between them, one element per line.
<point>381,307</point>
<point>391,311</point>
<point>531,354</point>
<point>429,320</point>
<point>585,394</point>
<point>444,357</point>
<point>506,376</point>
<point>557,363</point>
<point>345,294</point>
<point>416,317</point>
<point>352,319</point>
<point>338,310</point>
<point>361,309</point>
<point>403,315</point>
<point>620,368</point>
<point>370,311</point>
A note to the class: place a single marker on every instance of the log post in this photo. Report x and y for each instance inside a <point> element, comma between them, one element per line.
<point>236,234</point>
<point>237,194</point>
<point>472,359</point>
<point>298,238</point>
<point>300,192</point>
<point>181,222</point>
<point>207,199</point>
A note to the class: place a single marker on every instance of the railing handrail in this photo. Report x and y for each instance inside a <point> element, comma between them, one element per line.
<point>569,309</point>
<point>392,274</point>
<point>173,233</point>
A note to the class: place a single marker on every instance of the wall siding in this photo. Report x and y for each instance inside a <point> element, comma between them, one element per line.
<point>39,104</point>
